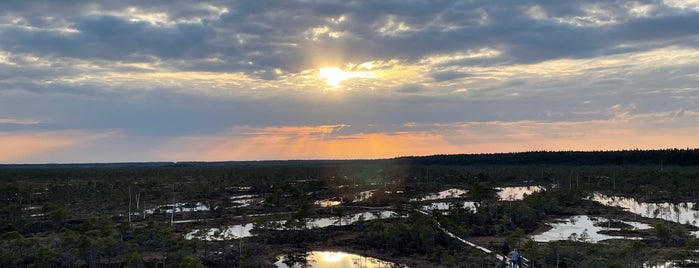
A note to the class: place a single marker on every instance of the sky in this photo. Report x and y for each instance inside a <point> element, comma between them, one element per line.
<point>191,80</point>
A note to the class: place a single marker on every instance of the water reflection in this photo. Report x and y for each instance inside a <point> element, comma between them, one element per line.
<point>677,212</point>
<point>583,228</point>
<point>470,205</point>
<point>296,259</point>
<point>243,196</point>
<point>218,234</point>
<point>446,194</point>
<point>245,200</point>
<point>179,207</point>
<point>356,198</point>
<point>243,230</point>
<point>504,193</point>
<point>328,259</point>
<point>363,196</point>
<point>516,193</point>
<point>325,203</point>
<point>670,264</point>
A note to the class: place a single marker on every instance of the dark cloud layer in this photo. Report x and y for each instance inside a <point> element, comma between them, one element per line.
<point>276,34</point>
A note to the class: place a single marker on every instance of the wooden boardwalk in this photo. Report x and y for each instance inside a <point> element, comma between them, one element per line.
<point>504,260</point>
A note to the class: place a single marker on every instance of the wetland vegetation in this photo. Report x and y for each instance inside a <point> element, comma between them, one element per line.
<point>560,209</point>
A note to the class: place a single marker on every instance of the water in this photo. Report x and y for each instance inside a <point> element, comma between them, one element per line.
<point>363,196</point>
<point>239,188</point>
<point>179,207</point>
<point>446,194</point>
<point>245,200</point>
<point>504,193</point>
<point>243,196</point>
<point>516,193</point>
<point>446,205</point>
<point>331,259</point>
<point>325,203</point>
<point>350,219</point>
<point>669,264</point>
<point>243,230</point>
<point>394,192</point>
<point>574,227</point>
<point>676,212</point>
<point>216,234</point>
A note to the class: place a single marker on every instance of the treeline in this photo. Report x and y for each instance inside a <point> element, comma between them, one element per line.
<point>680,157</point>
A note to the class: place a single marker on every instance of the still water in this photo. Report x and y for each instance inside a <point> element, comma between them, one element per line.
<point>516,193</point>
<point>446,194</point>
<point>243,230</point>
<point>677,212</point>
<point>470,205</point>
<point>331,259</point>
<point>179,207</point>
<point>583,228</point>
<point>504,194</point>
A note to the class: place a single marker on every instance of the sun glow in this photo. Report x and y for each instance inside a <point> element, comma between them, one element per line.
<point>332,256</point>
<point>334,76</point>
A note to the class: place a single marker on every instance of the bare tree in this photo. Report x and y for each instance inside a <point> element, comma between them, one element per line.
<point>129,205</point>
<point>172,215</point>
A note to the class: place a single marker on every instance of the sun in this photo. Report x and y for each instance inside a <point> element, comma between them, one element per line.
<point>333,76</point>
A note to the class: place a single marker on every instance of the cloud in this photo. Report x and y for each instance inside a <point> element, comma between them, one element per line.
<point>675,129</point>
<point>203,71</point>
<point>351,142</point>
<point>308,142</point>
<point>410,88</point>
<point>448,75</point>
<point>184,103</point>
<point>271,34</point>
<point>14,121</point>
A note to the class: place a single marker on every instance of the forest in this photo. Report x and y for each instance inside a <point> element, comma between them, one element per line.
<point>182,214</point>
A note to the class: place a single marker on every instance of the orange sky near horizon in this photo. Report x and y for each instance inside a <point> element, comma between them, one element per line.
<point>328,142</point>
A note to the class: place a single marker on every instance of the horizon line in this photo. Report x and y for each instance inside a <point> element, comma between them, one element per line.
<point>346,159</point>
